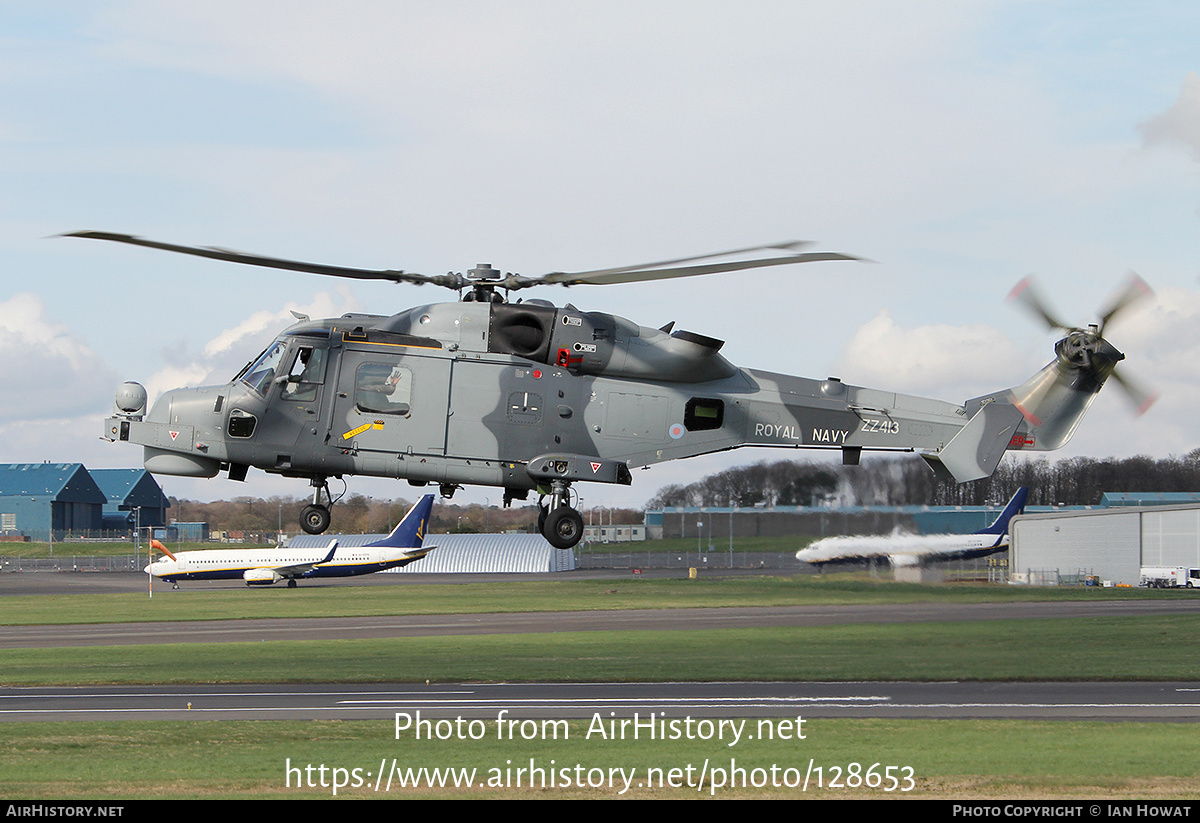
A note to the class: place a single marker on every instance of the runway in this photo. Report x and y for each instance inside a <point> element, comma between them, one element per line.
<point>1031,701</point>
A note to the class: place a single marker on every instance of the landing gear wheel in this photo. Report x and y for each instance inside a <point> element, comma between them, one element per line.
<point>543,512</point>
<point>314,519</point>
<point>291,583</point>
<point>564,527</point>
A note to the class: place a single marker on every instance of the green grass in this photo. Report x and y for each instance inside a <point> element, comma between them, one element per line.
<point>520,596</point>
<point>949,759</point>
<point>1141,648</point>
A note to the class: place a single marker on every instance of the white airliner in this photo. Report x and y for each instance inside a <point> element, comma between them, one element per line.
<point>914,549</point>
<point>262,567</point>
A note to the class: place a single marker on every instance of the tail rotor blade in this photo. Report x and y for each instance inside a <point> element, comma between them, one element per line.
<point>1134,291</point>
<point>1027,294</point>
<point>1141,397</point>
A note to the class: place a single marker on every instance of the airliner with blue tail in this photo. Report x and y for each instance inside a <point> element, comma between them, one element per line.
<point>915,549</point>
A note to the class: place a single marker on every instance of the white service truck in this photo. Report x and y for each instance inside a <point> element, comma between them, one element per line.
<point>1170,577</point>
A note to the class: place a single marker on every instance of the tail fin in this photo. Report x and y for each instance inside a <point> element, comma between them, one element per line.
<point>410,532</point>
<point>974,452</point>
<point>1015,506</point>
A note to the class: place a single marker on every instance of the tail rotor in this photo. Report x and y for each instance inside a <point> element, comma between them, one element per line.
<point>1084,351</point>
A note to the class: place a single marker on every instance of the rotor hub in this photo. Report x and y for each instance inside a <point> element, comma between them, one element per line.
<point>1086,349</point>
<point>483,271</point>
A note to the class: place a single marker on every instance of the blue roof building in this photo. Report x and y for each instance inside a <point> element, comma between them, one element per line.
<point>39,498</point>
<point>1111,500</point>
<point>133,498</point>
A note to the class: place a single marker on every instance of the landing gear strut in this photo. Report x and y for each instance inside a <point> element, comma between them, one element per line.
<point>558,522</point>
<point>315,518</point>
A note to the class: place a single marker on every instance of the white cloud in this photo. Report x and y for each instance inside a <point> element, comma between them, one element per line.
<point>46,371</point>
<point>1181,122</point>
<point>942,361</point>
<point>230,349</point>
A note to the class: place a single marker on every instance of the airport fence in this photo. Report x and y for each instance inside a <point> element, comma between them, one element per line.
<point>623,556</point>
<point>73,563</point>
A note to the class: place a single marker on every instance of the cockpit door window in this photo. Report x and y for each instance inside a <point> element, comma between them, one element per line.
<point>306,374</point>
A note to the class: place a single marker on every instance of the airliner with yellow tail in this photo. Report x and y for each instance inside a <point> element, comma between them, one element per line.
<point>263,567</point>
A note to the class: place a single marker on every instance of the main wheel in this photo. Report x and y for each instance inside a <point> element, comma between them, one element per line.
<point>564,527</point>
<point>315,519</point>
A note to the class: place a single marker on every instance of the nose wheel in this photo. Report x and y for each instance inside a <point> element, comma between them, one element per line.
<point>564,527</point>
<point>559,522</point>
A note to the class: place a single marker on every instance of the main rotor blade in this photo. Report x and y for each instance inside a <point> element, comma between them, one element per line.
<point>608,276</point>
<point>274,263</point>
<point>790,245</point>
<point>1134,291</point>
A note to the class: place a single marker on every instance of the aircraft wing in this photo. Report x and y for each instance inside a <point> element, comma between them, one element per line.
<point>301,569</point>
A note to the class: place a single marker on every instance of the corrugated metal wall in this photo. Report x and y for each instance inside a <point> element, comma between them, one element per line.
<point>1112,543</point>
<point>1171,538</point>
<point>468,553</point>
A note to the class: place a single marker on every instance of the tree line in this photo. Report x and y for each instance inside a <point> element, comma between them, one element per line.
<point>359,514</point>
<point>1070,481</point>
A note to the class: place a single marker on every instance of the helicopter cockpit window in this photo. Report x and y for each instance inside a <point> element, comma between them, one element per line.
<point>262,372</point>
<point>306,374</point>
<point>383,388</point>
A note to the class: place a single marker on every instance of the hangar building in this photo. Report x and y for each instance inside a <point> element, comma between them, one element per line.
<point>1111,543</point>
<point>39,498</point>
<point>466,553</point>
<point>134,498</point>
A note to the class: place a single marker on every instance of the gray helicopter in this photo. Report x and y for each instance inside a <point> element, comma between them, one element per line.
<point>531,397</point>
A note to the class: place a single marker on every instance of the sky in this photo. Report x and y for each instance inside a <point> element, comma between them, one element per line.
<point>958,146</point>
